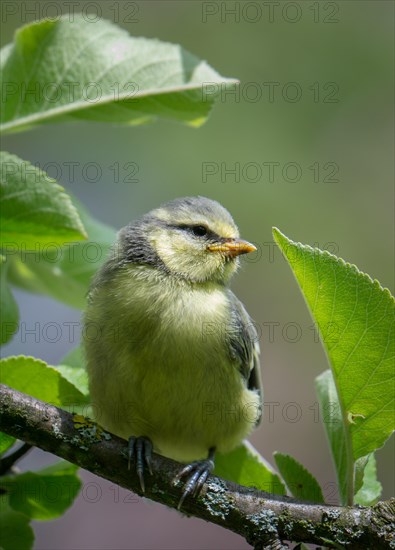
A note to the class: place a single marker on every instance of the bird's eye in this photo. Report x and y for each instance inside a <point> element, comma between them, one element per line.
<point>199,230</point>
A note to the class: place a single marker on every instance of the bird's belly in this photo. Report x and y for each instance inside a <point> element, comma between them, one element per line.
<point>189,399</point>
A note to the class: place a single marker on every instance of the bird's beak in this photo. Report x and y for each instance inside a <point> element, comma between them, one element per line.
<point>232,247</point>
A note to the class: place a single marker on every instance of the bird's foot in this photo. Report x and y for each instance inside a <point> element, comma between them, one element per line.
<point>140,453</point>
<point>197,473</point>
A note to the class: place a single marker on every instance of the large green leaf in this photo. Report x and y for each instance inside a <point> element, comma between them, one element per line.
<point>300,482</point>
<point>36,378</point>
<point>35,210</point>
<point>66,275</point>
<point>356,318</point>
<point>45,494</point>
<point>244,465</point>
<point>15,531</point>
<point>60,70</point>
<point>8,306</point>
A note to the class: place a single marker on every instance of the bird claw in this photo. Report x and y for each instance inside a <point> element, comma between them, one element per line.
<point>140,451</point>
<point>198,473</point>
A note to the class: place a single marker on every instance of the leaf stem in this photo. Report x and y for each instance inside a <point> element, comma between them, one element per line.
<point>349,452</point>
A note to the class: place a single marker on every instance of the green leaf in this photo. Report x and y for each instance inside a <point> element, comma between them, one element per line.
<point>36,378</point>
<point>67,275</point>
<point>371,489</point>
<point>15,531</point>
<point>96,71</point>
<point>8,306</point>
<point>356,318</point>
<point>334,428</point>
<point>300,482</point>
<point>35,209</point>
<point>6,442</point>
<point>45,494</point>
<point>244,465</point>
<point>72,368</point>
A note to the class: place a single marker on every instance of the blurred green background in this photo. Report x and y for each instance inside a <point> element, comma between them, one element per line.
<point>330,115</point>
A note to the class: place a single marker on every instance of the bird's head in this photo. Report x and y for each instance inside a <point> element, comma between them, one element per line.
<point>193,238</point>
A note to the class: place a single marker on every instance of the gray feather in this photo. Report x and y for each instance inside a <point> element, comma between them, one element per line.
<point>244,346</point>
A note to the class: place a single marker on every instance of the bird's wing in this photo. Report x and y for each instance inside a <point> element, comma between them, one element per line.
<point>244,345</point>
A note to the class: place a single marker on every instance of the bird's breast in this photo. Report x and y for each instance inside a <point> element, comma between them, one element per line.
<point>173,313</point>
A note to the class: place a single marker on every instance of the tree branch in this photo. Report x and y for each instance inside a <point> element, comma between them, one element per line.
<point>261,518</point>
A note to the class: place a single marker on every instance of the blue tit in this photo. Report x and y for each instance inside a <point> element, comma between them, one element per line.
<point>172,355</point>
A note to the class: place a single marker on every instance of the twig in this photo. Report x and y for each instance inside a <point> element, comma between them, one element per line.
<point>258,516</point>
<point>7,462</point>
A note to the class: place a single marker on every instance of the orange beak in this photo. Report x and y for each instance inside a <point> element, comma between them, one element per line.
<point>232,247</point>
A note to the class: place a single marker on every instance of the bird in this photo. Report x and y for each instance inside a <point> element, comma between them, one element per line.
<point>172,355</point>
